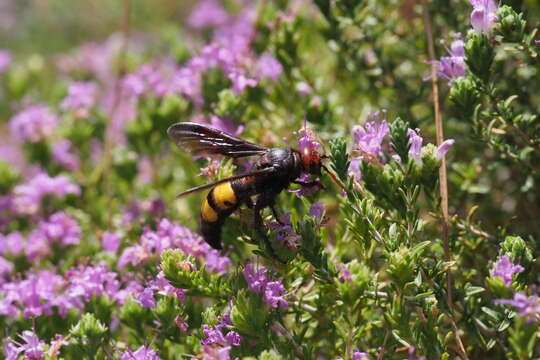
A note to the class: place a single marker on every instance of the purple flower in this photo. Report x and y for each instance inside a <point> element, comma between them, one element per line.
<point>110,241</point>
<point>5,60</point>
<point>483,15</point>
<point>208,13</point>
<point>180,322</point>
<point>285,230</point>
<point>146,298</point>
<point>215,262</point>
<point>32,348</point>
<point>226,125</point>
<point>89,281</point>
<point>11,244</point>
<point>233,338</point>
<point>240,81</point>
<point>80,98</point>
<point>64,155</point>
<point>268,66</point>
<point>163,287</point>
<point>413,356</point>
<point>527,307</point>
<point>33,124</point>
<point>36,295</point>
<point>187,81</point>
<point>368,138</point>
<point>505,269</point>
<point>443,148</point>
<point>274,295</point>
<point>358,355</point>
<point>305,190</point>
<point>453,66</point>
<point>6,267</point>
<point>308,139</point>
<point>303,89</point>
<point>354,169</point>
<point>317,211</point>
<point>215,353</point>
<point>61,228</point>
<point>28,196</point>
<point>256,280</point>
<point>142,353</point>
<point>415,142</point>
<point>213,336</point>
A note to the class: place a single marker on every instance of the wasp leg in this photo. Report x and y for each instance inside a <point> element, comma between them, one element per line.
<point>276,215</point>
<point>260,204</point>
<point>311,183</point>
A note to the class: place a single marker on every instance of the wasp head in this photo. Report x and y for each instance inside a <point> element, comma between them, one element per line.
<point>309,151</point>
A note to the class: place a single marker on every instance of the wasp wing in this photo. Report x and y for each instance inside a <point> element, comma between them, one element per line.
<point>204,140</point>
<point>265,171</point>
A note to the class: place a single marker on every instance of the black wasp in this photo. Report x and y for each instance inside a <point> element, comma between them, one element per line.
<point>274,171</point>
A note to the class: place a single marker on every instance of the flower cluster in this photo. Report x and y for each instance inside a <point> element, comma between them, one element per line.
<point>273,291</point>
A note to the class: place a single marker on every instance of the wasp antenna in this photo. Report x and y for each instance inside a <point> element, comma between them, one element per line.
<point>334,178</point>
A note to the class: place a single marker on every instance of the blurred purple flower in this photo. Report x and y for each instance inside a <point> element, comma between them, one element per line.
<point>413,356</point>
<point>215,262</point>
<point>268,66</point>
<point>483,15</point>
<point>415,142</point>
<point>213,336</point>
<point>303,89</point>
<point>89,281</point>
<point>5,60</point>
<point>274,295</point>
<point>145,170</point>
<point>36,295</point>
<point>180,322</point>
<point>32,348</point>
<point>208,13</point>
<point>142,353</point>
<point>233,338</point>
<point>504,269</point>
<point>6,267</point>
<point>215,353</point>
<point>28,196</point>
<point>358,355</point>
<point>226,125</point>
<point>11,244</point>
<point>443,148</point>
<point>110,241</point>
<point>33,124</point>
<point>240,81</point>
<point>80,98</point>
<point>64,155</point>
<point>188,81</point>
<point>527,307</point>
<point>61,228</point>
<point>146,298</point>
<point>256,280</point>
<point>317,211</point>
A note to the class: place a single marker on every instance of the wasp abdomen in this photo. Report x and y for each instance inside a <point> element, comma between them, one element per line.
<point>220,202</point>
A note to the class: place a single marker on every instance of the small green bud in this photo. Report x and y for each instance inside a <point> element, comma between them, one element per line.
<point>249,315</point>
<point>518,250</point>
<point>179,270</point>
<point>511,25</point>
<point>399,139</point>
<point>270,355</point>
<point>479,55</point>
<point>88,336</point>
<point>464,95</point>
<point>429,173</point>
<point>401,266</point>
<point>499,289</point>
<point>340,158</point>
<point>352,286</point>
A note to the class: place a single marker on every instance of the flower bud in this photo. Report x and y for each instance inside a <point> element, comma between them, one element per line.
<point>511,25</point>
<point>464,96</point>
<point>479,55</point>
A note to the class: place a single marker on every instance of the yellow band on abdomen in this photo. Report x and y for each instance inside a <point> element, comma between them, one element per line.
<point>224,196</point>
<point>207,213</point>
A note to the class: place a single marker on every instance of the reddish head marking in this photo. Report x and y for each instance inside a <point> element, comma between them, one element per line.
<point>311,160</point>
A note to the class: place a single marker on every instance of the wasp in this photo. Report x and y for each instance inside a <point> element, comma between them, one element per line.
<point>274,171</point>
